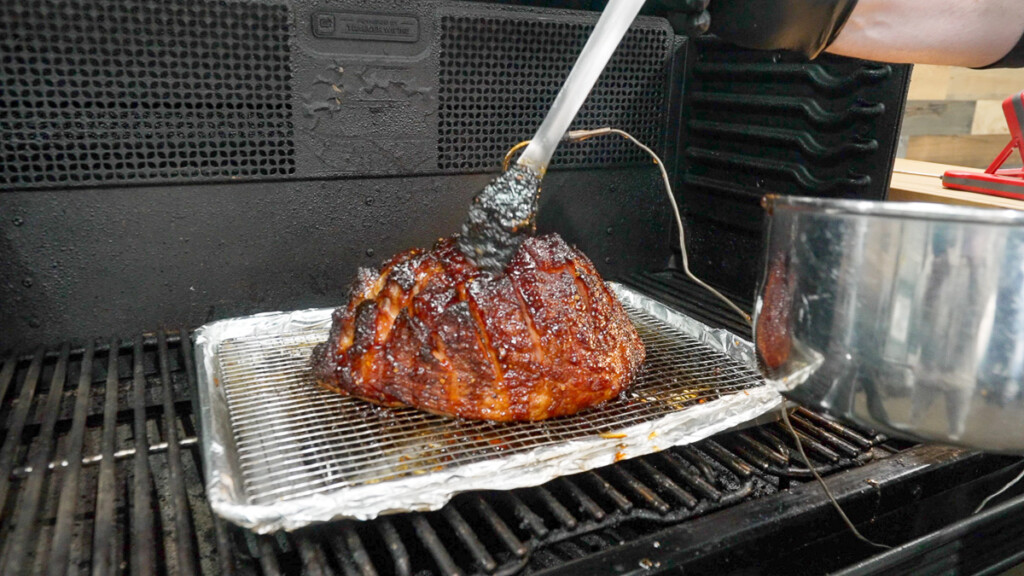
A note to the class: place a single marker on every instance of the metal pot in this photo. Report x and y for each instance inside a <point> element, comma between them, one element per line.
<point>906,318</point>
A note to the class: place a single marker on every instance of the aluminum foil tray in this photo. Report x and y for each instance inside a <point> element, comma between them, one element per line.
<point>280,452</point>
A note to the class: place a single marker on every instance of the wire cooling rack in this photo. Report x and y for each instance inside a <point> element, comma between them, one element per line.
<point>296,440</point>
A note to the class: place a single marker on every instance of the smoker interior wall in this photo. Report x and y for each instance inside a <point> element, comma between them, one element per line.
<point>127,92</point>
<point>172,163</point>
<point>105,262</point>
<point>230,158</point>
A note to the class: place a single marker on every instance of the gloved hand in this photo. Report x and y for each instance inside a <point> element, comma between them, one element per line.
<point>688,17</point>
<point>806,26</point>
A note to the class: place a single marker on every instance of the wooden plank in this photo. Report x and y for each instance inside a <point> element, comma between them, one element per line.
<point>937,117</point>
<point>961,150</point>
<point>998,84</point>
<point>929,82</point>
<point>915,181</point>
<point>989,118</point>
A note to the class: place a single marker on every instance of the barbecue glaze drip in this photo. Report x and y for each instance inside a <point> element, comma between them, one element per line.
<point>500,217</point>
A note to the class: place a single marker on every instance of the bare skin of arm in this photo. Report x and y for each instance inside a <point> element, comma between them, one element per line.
<point>970,33</point>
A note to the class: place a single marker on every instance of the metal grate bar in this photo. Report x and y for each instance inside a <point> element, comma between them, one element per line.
<point>773,441</point>
<point>640,490</point>
<point>268,557</point>
<point>142,550</point>
<point>313,561</point>
<point>348,551</point>
<point>733,463</point>
<point>183,527</point>
<point>813,446</point>
<point>498,526</point>
<point>701,461</point>
<point>848,449</point>
<point>7,374</point>
<point>665,483</point>
<point>606,489</point>
<point>28,505</point>
<point>836,428</point>
<point>342,557</point>
<point>93,459</point>
<point>57,565</point>
<point>396,548</point>
<point>10,447</point>
<point>584,502</point>
<point>359,554</point>
<point>564,517</point>
<point>103,550</point>
<point>751,449</point>
<point>699,485</point>
<point>775,438</point>
<point>751,456</point>
<point>469,539</point>
<point>434,545</point>
<point>527,516</point>
<point>225,551</point>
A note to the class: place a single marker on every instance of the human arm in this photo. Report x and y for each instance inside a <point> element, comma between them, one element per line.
<point>970,33</point>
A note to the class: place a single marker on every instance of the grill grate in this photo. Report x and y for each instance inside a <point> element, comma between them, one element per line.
<point>143,90</point>
<point>70,500</point>
<point>500,73</point>
<point>567,518</point>
<point>295,439</point>
<point>99,457</point>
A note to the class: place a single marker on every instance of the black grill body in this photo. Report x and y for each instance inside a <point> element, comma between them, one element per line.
<point>168,163</point>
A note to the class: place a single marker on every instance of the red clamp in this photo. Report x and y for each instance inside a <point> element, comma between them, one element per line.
<point>1008,182</point>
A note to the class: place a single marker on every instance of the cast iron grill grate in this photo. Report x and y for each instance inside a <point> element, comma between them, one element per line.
<point>76,495</point>
<point>499,75</point>
<point>143,90</point>
<point>296,440</point>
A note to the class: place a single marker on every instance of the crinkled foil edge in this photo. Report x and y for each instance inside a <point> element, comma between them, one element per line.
<point>433,490</point>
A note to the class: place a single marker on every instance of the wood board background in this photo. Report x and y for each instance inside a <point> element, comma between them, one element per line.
<point>955,116</point>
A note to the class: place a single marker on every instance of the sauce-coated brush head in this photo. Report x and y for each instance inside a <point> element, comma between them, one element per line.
<point>500,217</point>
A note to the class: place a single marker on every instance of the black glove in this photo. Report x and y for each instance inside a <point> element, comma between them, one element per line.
<point>806,26</point>
<point>688,17</point>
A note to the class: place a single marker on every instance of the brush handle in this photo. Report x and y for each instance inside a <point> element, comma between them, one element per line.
<point>611,27</point>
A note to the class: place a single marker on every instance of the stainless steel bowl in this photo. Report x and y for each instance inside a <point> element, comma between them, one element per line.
<point>907,318</point>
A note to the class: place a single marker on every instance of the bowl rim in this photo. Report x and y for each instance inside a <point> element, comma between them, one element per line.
<point>910,211</point>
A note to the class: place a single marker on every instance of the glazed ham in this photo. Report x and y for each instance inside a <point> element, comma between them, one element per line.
<point>544,338</point>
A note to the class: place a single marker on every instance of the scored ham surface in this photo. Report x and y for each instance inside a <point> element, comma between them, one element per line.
<point>545,338</point>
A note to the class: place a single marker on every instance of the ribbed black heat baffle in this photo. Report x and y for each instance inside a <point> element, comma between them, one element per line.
<point>100,472</point>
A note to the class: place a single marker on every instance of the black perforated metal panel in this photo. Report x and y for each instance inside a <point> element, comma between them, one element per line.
<point>499,75</point>
<point>139,90</point>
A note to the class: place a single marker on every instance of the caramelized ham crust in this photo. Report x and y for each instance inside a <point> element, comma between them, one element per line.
<point>546,338</point>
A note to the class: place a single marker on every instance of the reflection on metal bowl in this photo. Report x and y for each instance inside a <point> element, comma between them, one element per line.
<point>908,318</point>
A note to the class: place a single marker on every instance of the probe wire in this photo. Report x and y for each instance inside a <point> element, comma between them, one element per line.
<point>581,135</point>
